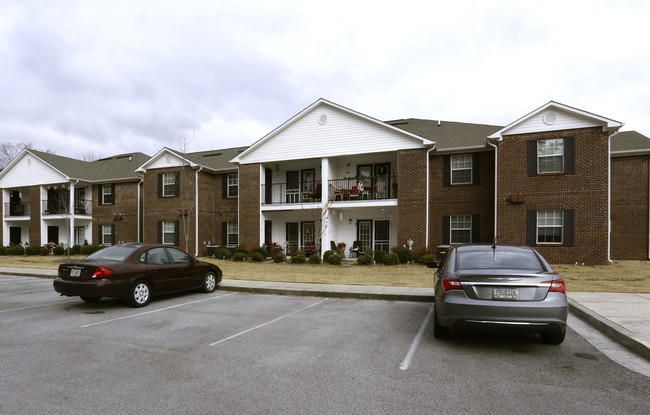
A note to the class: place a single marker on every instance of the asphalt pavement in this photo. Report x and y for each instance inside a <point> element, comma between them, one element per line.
<point>623,317</point>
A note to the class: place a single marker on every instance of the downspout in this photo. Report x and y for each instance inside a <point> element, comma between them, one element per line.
<point>139,213</point>
<point>196,212</point>
<point>71,224</point>
<point>428,199</point>
<point>609,198</point>
<point>496,185</point>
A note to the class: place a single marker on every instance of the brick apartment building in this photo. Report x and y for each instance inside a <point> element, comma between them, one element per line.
<point>559,178</point>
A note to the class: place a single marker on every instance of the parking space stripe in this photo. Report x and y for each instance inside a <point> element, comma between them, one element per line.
<point>409,356</point>
<point>155,311</point>
<point>36,306</point>
<point>267,323</point>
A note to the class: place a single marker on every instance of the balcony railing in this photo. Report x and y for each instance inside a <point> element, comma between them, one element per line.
<point>367,188</point>
<point>55,207</point>
<point>17,209</point>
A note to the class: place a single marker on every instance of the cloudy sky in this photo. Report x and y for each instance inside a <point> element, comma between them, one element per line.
<point>107,77</point>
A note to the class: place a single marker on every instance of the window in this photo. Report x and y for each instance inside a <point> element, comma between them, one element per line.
<point>461,169</point>
<point>550,155</point>
<point>549,226</point>
<point>106,234</point>
<point>233,234</point>
<point>169,233</point>
<point>460,229</point>
<point>107,194</point>
<point>169,184</point>
<point>233,185</point>
<point>179,257</point>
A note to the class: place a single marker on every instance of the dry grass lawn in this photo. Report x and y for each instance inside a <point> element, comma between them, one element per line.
<point>619,276</point>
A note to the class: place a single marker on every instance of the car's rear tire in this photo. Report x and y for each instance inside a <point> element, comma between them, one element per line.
<point>209,282</point>
<point>439,332</point>
<point>554,337</point>
<point>90,299</point>
<point>139,294</point>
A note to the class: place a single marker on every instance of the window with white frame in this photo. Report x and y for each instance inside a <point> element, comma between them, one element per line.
<point>461,169</point>
<point>169,184</point>
<point>233,234</point>
<point>550,155</point>
<point>107,194</point>
<point>106,234</point>
<point>169,233</point>
<point>549,226</point>
<point>233,185</point>
<point>460,229</point>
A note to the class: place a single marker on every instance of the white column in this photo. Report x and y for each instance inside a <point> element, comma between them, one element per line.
<point>71,230</point>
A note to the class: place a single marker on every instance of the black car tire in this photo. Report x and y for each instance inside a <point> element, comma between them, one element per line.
<point>209,282</point>
<point>139,294</point>
<point>553,337</point>
<point>90,299</point>
<point>439,332</point>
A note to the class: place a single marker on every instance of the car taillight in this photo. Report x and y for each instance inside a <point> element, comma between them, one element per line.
<point>556,286</point>
<point>451,284</point>
<point>60,270</point>
<point>101,272</point>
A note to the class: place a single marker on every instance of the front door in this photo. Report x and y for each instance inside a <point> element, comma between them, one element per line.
<point>364,235</point>
<point>53,234</point>
<point>14,235</point>
<point>293,187</point>
<point>292,237</point>
<point>268,186</point>
<point>382,235</point>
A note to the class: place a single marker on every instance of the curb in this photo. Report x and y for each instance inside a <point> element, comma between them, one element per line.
<point>612,330</point>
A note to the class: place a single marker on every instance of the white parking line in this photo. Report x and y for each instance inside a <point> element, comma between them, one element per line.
<point>409,356</point>
<point>266,324</point>
<point>37,306</point>
<point>155,311</point>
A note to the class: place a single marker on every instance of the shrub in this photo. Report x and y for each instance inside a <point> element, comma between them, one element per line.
<point>404,254</point>
<point>3,250</point>
<point>33,250</point>
<point>76,249</point>
<point>327,255</point>
<point>58,250</point>
<point>85,250</point>
<point>379,256</point>
<point>257,257</point>
<point>427,259</point>
<point>223,253</point>
<point>240,257</point>
<point>365,260</point>
<point>16,250</point>
<point>44,251</point>
<point>262,251</point>
<point>241,250</point>
<point>279,257</point>
<point>391,259</point>
<point>335,259</point>
<point>314,259</point>
<point>370,252</point>
<point>298,258</point>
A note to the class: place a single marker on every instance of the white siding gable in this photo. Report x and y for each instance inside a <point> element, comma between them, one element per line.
<point>329,131</point>
<point>166,159</point>
<point>30,171</point>
<point>553,119</point>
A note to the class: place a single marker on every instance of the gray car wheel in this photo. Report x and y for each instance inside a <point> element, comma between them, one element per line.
<point>209,282</point>
<point>553,337</point>
<point>439,332</point>
<point>139,294</point>
<point>90,299</point>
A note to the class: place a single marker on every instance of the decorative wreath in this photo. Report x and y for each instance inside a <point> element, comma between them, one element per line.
<point>381,170</point>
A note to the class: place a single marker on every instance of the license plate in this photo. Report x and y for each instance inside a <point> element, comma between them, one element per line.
<point>505,293</point>
<point>75,272</point>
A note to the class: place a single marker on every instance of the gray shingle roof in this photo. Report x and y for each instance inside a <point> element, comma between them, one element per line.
<point>448,135</point>
<point>114,168</point>
<point>630,141</point>
<point>215,159</point>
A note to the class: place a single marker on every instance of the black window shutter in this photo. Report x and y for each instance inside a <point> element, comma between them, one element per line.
<point>160,187</point>
<point>113,193</point>
<point>224,233</point>
<point>567,233</point>
<point>532,158</point>
<point>100,235</point>
<point>176,233</point>
<point>531,228</point>
<point>446,171</point>
<point>569,155</point>
<point>100,195</point>
<point>177,184</point>
<point>476,169</point>
<point>476,228</point>
<point>445,229</point>
<point>113,239</point>
<point>159,231</point>
<point>224,186</point>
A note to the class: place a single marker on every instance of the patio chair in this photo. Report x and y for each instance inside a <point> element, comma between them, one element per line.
<point>333,246</point>
<point>354,193</point>
<point>356,249</point>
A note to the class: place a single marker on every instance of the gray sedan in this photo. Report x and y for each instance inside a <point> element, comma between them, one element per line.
<point>499,287</point>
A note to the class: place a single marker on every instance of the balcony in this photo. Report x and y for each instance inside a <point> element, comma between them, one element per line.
<point>17,209</point>
<point>350,189</point>
<point>55,207</point>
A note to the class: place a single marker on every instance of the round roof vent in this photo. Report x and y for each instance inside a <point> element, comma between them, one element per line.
<point>549,118</point>
<point>322,120</point>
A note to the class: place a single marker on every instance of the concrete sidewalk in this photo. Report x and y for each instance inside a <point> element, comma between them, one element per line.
<point>623,317</point>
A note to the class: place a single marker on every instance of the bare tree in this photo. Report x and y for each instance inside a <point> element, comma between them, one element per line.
<point>188,206</point>
<point>89,156</point>
<point>9,151</point>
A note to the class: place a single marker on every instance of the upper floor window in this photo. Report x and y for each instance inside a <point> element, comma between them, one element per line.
<point>233,185</point>
<point>549,226</point>
<point>461,169</point>
<point>460,229</point>
<point>550,155</point>
<point>107,194</point>
<point>169,184</point>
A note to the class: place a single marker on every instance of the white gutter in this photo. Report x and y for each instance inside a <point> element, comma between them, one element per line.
<point>609,198</point>
<point>496,185</point>
<point>427,199</point>
<point>196,212</point>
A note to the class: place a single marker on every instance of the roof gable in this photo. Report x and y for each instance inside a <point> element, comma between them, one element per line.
<point>28,169</point>
<point>214,160</point>
<point>325,129</point>
<point>554,116</point>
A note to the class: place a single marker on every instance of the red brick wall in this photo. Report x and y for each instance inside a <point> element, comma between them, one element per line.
<point>585,192</point>
<point>411,197</point>
<point>249,206</point>
<point>122,214</point>
<point>464,199</point>
<point>630,207</point>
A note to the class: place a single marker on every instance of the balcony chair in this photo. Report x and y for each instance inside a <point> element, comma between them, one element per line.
<point>354,193</point>
<point>333,246</point>
<point>316,194</point>
<point>356,249</point>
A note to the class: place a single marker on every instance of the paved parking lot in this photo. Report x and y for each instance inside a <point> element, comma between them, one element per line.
<point>245,353</point>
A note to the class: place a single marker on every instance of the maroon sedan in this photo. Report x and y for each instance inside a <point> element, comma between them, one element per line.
<point>135,271</point>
